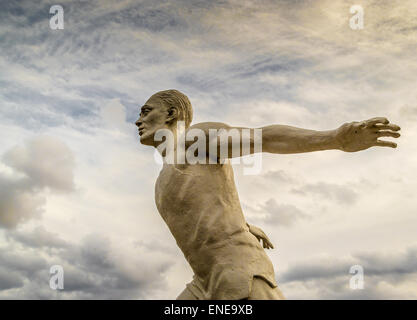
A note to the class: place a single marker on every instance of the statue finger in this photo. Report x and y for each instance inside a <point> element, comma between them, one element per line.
<point>389,126</point>
<point>382,143</point>
<point>388,134</point>
<point>376,120</point>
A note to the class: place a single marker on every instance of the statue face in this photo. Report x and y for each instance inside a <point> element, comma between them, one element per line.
<point>153,117</point>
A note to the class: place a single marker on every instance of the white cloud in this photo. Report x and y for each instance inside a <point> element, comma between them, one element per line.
<point>41,163</point>
<point>46,161</point>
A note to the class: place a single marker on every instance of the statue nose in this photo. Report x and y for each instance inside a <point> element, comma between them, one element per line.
<point>138,122</point>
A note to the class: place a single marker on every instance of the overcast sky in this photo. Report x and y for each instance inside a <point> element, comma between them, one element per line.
<point>76,187</point>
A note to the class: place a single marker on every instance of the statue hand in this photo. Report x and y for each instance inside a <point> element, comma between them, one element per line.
<point>357,136</point>
<point>261,236</point>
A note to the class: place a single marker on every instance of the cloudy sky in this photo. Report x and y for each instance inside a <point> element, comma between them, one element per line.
<point>76,187</point>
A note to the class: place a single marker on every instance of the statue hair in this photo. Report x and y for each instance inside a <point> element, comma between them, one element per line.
<point>175,99</point>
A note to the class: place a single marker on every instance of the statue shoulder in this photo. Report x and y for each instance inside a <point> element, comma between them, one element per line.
<point>206,126</point>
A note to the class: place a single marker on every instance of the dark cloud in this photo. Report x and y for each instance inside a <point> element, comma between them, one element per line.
<point>273,213</point>
<point>374,263</point>
<point>21,263</point>
<point>38,238</point>
<point>9,280</point>
<point>92,270</point>
<point>282,214</point>
<point>326,268</point>
<point>392,265</point>
<point>330,191</point>
<point>329,278</point>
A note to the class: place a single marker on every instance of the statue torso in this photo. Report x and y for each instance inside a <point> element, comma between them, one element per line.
<point>201,207</point>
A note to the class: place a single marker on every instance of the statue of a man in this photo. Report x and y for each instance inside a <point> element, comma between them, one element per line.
<point>200,203</point>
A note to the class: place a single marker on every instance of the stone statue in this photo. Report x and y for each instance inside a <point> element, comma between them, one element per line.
<point>200,204</point>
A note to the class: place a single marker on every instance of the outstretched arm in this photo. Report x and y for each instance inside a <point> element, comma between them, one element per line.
<point>283,139</point>
<point>350,137</point>
<point>288,139</point>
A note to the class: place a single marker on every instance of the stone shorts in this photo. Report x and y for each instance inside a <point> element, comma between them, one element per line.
<point>261,290</point>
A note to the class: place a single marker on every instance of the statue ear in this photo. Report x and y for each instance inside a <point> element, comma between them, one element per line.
<point>172,115</point>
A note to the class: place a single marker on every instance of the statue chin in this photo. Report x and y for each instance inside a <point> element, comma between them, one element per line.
<point>146,140</point>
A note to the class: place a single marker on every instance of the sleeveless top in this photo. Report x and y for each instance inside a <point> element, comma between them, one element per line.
<point>201,207</point>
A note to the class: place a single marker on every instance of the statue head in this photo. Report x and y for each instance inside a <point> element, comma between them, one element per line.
<point>162,111</point>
